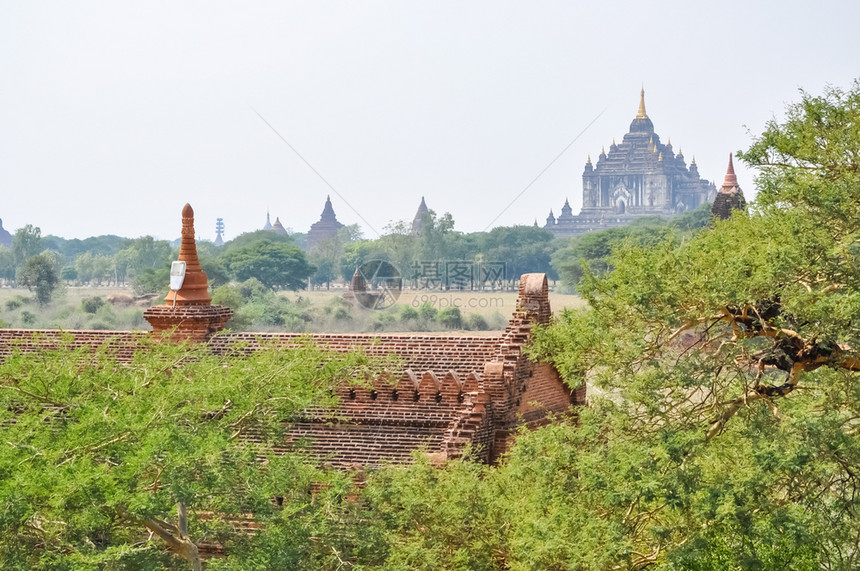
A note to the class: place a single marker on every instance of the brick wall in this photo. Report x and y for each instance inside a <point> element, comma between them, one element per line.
<point>451,392</point>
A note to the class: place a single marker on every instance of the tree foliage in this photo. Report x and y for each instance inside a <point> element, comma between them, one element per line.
<point>593,250</point>
<point>39,274</point>
<point>723,369</point>
<point>27,242</point>
<point>275,265</point>
<point>97,455</point>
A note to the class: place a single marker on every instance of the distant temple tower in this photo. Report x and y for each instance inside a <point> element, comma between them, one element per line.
<point>418,221</point>
<point>730,197</point>
<point>219,231</point>
<point>326,227</point>
<point>5,236</point>
<point>188,313</point>
<point>268,224</point>
<point>639,177</point>
<point>277,227</point>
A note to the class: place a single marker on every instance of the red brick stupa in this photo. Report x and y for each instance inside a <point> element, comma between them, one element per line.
<point>188,313</point>
<point>730,197</point>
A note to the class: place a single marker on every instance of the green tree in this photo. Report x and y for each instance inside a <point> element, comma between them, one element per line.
<point>151,281</point>
<point>250,238</point>
<point>593,250</point>
<point>27,242</point>
<point>522,249</point>
<point>216,273</point>
<point>276,265</point>
<point>141,254</point>
<point>69,273</point>
<point>38,273</point>
<point>723,373</point>
<point>7,264</point>
<point>106,245</point>
<point>98,453</point>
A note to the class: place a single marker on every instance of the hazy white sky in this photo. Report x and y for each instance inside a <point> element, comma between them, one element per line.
<point>113,114</point>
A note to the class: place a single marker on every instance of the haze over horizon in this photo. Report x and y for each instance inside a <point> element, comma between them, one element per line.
<point>114,115</point>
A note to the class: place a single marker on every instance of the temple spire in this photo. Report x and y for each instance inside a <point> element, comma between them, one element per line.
<point>188,313</point>
<point>731,179</point>
<point>194,290</point>
<point>641,114</point>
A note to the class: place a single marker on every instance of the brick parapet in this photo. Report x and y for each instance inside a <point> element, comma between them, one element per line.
<point>448,391</point>
<point>195,323</point>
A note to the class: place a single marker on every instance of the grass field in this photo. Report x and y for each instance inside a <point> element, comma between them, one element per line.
<point>485,304</point>
<point>18,309</point>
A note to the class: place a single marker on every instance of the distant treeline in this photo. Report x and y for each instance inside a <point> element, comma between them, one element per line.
<point>278,262</point>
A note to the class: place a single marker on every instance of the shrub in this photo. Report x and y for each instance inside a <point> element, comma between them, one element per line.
<point>450,317</point>
<point>427,312</point>
<point>476,322</point>
<point>228,295</point>
<point>407,313</point>
<point>92,304</point>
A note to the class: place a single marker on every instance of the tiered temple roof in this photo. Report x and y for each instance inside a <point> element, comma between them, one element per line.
<point>326,227</point>
<point>418,221</point>
<point>638,177</point>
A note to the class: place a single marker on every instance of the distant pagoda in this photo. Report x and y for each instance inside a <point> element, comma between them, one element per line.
<point>277,227</point>
<point>639,177</point>
<point>268,224</point>
<point>418,221</point>
<point>730,197</point>
<point>5,236</point>
<point>326,227</point>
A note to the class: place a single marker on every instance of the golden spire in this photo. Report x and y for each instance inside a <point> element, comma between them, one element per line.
<point>588,160</point>
<point>602,150</point>
<point>613,141</point>
<point>694,160</point>
<point>641,114</point>
<point>680,151</point>
<point>655,148</point>
<point>651,140</point>
<point>669,142</point>
<point>660,158</point>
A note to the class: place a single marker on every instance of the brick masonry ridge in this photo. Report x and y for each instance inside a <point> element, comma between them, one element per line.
<point>452,392</point>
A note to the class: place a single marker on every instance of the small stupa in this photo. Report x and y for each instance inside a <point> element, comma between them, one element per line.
<point>730,196</point>
<point>188,313</point>
<point>418,221</point>
<point>278,228</point>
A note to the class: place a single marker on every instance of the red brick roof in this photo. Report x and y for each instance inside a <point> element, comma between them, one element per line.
<point>450,391</point>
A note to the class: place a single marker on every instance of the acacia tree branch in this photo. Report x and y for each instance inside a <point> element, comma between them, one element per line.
<point>177,541</point>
